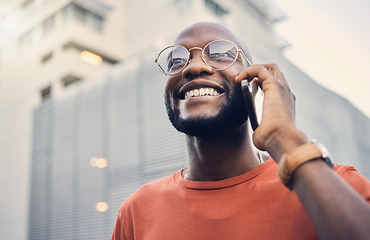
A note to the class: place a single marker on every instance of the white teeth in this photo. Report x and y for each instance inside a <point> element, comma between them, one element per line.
<point>201,92</point>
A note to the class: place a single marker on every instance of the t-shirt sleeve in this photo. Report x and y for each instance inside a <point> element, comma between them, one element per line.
<point>359,182</point>
<point>118,231</point>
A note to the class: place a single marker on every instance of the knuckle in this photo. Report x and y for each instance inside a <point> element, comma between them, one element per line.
<point>259,67</point>
<point>273,65</point>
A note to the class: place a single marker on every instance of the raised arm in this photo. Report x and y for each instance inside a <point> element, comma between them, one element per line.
<point>335,208</point>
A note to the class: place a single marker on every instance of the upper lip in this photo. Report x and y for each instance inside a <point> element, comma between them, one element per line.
<point>196,84</point>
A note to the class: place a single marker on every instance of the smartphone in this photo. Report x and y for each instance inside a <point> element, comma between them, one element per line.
<point>249,103</point>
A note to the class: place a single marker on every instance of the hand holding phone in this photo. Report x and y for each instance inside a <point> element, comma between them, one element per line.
<point>249,103</point>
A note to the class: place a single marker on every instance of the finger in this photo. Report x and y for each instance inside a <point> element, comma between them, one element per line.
<point>252,72</point>
<point>258,75</point>
<point>275,70</point>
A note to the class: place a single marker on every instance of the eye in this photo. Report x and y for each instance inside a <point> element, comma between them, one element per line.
<point>222,56</point>
<point>175,63</point>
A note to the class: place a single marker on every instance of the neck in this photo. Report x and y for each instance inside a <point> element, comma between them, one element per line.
<point>221,156</point>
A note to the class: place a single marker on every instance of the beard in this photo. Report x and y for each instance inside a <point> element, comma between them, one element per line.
<point>231,115</point>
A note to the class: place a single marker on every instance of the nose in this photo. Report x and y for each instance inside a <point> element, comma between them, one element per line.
<point>196,66</point>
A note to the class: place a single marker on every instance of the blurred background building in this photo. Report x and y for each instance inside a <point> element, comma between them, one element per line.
<point>83,123</point>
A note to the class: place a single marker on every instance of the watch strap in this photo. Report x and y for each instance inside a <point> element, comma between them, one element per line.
<point>289,162</point>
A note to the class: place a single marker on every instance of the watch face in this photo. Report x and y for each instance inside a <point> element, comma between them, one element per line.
<point>325,153</point>
<point>324,150</point>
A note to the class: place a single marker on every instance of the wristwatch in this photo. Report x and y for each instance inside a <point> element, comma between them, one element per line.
<point>289,162</point>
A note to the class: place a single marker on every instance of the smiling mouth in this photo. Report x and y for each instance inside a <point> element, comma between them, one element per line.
<point>201,92</point>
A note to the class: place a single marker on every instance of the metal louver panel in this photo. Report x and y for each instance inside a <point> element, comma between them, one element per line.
<point>121,119</point>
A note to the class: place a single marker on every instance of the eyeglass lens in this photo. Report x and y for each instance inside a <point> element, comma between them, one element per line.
<point>218,54</point>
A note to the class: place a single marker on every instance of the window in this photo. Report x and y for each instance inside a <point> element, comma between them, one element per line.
<point>68,12</point>
<point>47,57</point>
<point>215,8</point>
<point>97,22</point>
<point>48,24</point>
<point>70,79</point>
<point>83,15</point>
<point>26,4</point>
<point>80,13</point>
<point>46,93</point>
<point>253,5</point>
<point>25,41</point>
<point>183,5</point>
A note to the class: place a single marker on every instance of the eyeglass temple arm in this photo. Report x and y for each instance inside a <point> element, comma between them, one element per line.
<point>249,62</point>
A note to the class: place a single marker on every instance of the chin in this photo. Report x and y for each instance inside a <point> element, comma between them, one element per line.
<point>229,117</point>
<point>205,127</point>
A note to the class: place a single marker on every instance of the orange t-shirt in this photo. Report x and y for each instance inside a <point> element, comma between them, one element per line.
<point>254,205</point>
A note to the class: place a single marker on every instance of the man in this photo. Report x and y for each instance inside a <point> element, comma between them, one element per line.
<point>226,192</point>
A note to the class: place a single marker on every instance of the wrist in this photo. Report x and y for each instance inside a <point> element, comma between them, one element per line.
<point>291,161</point>
<point>284,141</point>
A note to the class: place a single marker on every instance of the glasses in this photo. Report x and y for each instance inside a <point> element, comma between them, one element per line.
<point>218,54</point>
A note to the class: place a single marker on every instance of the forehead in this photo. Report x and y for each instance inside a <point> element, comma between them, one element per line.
<point>200,34</point>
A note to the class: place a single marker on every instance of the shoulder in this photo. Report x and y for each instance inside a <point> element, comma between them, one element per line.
<point>149,191</point>
<point>156,186</point>
<point>138,204</point>
<point>349,172</point>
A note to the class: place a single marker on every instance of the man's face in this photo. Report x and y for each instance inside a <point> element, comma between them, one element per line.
<point>210,114</point>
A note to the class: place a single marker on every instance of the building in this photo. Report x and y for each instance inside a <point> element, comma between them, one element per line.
<point>88,127</point>
<point>45,48</point>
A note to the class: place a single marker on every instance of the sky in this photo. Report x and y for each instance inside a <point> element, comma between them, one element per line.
<point>330,42</point>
